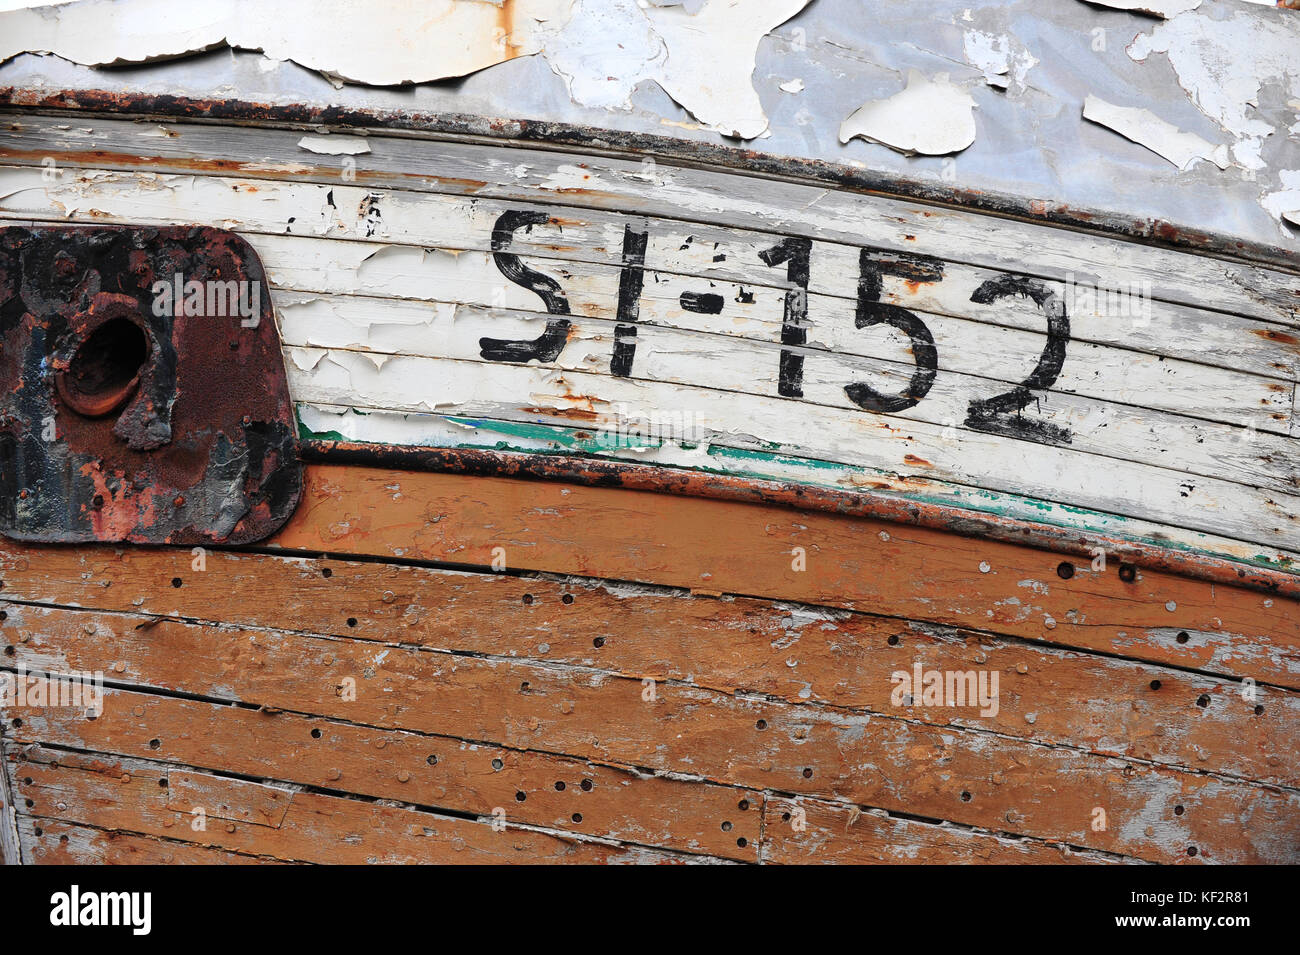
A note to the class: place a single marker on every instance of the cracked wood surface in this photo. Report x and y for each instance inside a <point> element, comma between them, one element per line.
<point>654,680</point>
<point>1170,420</point>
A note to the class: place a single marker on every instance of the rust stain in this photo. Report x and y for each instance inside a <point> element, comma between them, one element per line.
<point>1273,335</point>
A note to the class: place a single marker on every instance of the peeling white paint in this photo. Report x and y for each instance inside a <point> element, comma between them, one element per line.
<point>385,44</point>
<point>1284,203</point>
<point>999,57</point>
<point>334,145</point>
<point>710,65</point>
<point>792,86</point>
<point>932,117</point>
<point>1223,64</point>
<point>1149,130</point>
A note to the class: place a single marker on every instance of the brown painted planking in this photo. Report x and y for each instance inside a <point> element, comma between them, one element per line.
<point>463,777</point>
<point>802,831</point>
<point>51,842</point>
<point>747,549</point>
<point>974,778</point>
<point>111,793</point>
<point>799,654</point>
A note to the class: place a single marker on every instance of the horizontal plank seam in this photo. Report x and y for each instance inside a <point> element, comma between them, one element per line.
<point>567,669</point>
<point>425,809</point>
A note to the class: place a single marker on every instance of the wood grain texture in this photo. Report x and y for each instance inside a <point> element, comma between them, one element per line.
<point>52,842</point>
<point>750,550</point>
<point>796,653</point>
<point>975,778</point>
<point>110,793</point>
<point>1176,392</point>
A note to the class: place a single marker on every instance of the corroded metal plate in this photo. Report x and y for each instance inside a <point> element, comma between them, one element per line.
<point>142,388</point>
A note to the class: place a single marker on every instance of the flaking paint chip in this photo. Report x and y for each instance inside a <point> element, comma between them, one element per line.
<point>929,117</point>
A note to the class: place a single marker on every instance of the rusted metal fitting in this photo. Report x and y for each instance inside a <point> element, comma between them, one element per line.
<point>142,388</point>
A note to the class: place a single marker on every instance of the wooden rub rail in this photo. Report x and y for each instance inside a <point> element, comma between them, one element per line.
<point>449,668</point>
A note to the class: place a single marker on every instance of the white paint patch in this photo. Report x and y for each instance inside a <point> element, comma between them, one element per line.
<point>382,43</point>
<point>1149,130</point>
<point>710,65</point>
<point>1156,8</point>
<point>328,145</point>
<point>792,86</point>
<point>998,57</point>
<point>932,117</point>
<point>1284,204</point>
<point>1222,64</point>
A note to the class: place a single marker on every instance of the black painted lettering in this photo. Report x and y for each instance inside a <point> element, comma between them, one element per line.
<point>546,346</point>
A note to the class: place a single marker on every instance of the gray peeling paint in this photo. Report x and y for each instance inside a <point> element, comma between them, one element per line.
<point>784,74</point>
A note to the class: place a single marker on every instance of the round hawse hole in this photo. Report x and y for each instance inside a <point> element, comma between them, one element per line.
<point>105,370</point>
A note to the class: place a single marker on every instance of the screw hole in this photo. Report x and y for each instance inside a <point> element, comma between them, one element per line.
<point>743,805</point>
<point>155,743</point>
<point>586,785</point>
<point>176,582</point>
<point>598,642</point>
<point>1065,570</point>
<point>577,817</point>
<point>742,842</point>
<point>316,734</point>
<point>1259,709</point>
<point>528,598</point>
<point>1191,850</point>
<point>521,796</point>
<point>726,827</point>
<point>162,783</point>
<point>807,773</point>
<point>1155,684</point>
<point>17,722</point>
<point>326,572</point>
<point>1182,637</point>
<point>352,621</point>
<point>497,764</point>
<point>9,651</point>
<point>1203,700</point>
<point>1128,573</point>
<point>893,640</point>
<point>567,598</point>
<point>965,796</point>
<point>1178,810</point>
<point>761,724</point>
<point>559,786</point>
<point>432,760</point>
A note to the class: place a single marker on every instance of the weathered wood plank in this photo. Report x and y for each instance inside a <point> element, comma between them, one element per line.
<point>1180,419</point>
<point>802,831</point>
<point>326,424</point>
<point>695,359</point>
<point>653,188</point>
<point>747,549</point>
<point>431,771</point>
<point>965,348</point>
<point>753,422</point>
<point>679,542</point>
<point>798,654</point>
<point>52,842</point>
<point>111,793</point>
<point>1122,318</point>
<point>973,778</point>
